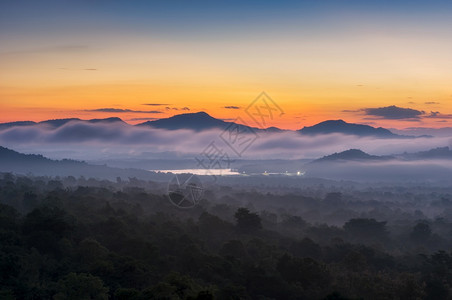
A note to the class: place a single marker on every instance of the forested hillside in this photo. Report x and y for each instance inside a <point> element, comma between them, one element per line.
<point>125,240</point>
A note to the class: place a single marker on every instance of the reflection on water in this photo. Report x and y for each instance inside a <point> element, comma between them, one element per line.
<point>223,172</point>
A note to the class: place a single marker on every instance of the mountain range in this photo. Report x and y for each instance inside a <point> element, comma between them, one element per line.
<point>202,121</point>
<point>12,161</point>
<point>357,155</point>
<point>351,155</point>
<point>19,163</point>
<point>340,126</point>
<point>58,122</point>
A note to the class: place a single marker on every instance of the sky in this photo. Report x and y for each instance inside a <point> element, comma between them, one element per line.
<point>370,62</point>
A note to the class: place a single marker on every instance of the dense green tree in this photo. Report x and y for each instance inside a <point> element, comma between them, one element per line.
<point>421,233</point>
<point>81,242</point>
<point>247,221</point>
<point>45,226</point>
<point>366,229</point>
<point>80,287</point>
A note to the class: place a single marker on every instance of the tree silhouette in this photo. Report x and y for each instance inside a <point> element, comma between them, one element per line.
<point>246,220</point>
<point>421,233</point>
<point>81,286</point>
<point>366,229</point>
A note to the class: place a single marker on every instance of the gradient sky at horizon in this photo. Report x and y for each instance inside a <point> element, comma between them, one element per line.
<point>317,59</point>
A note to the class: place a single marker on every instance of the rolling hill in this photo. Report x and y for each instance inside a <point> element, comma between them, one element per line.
<point>340,126</point>
<point>35,164</point>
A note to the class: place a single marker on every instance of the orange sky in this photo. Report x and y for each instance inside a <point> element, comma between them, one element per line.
<point>303,105</point>
<point>315,70</point>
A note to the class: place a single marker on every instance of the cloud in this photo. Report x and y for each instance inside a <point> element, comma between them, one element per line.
<point>232,107</point>
<point>394,112</point>
<point>90,69</point>
<point>100,140</point>
<point>431,103</point>
<point>438,115</point>
<point>120,141</point>
<point>120,110</point>
<point>177,108</point>
<point>417,131</point>
<point>392,170</point>
<point>156,104</point>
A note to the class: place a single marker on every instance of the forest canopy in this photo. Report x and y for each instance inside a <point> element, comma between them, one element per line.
<point>76,238</point>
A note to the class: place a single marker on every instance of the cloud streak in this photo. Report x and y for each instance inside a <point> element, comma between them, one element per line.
<point>178,108</point>
<point>156,104</point>
<point>120,110</point>
<point>393,170</point>
<point>393,112</point>
<point>105,139</point>
<point>438,115</point>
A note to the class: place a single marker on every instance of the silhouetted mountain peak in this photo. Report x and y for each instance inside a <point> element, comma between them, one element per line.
<point>17,123</point>
<point>107,120</point>
<point>200,113</point>
<point>19,163</point>
<point>195,121</point>
<point>8,155</point>
<point>333,122</point>
<point>340,126</point>
<point>436,153</point>
<point>273,129</point>
<point>59,122</point>
<point>351,155</point>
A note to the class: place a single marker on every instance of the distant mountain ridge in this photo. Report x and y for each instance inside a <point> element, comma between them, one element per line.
<point>58,122</point>
<point>359,155</point>
<point>36,164</point>
<point>436,153</point>
<point>200,121</point>
<point>195,121</point>
<point>351,155</point>
<point>340,126</point>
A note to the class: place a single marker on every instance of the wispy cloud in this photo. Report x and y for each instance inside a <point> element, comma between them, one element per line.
<point>104,138</point>
<point>156,104</point>
<point>120,110</point>
<point>438,115</point>
<point>231,107</point>
<point>178,108</point>
<point>394,112</point>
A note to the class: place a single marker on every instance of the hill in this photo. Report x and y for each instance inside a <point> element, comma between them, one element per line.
<point>351,155</point>
<point>340,126</point>
<point>198,122</point>
<point>19,163</point>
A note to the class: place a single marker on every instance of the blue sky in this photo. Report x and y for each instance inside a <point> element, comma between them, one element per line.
<point>312,55</point>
